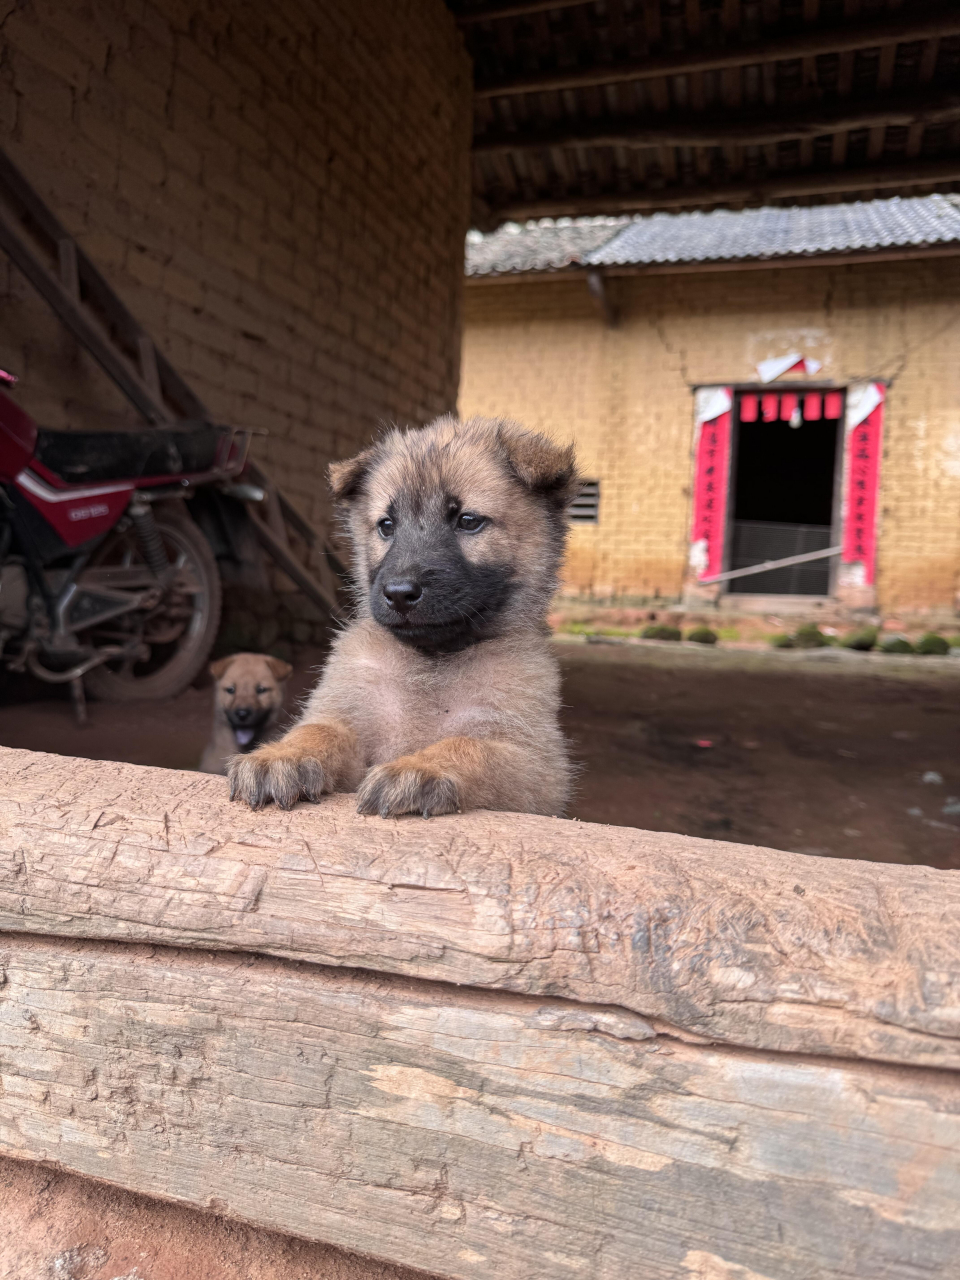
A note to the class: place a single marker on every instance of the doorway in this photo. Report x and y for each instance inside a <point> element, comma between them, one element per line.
<point>784,487</point>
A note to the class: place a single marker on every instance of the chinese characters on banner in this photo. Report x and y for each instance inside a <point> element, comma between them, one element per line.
<point>710,482</point>
<point>863,448</point>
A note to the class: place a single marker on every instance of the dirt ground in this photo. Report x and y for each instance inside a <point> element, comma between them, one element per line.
<point>55,1226</point>
<point>855,756</point>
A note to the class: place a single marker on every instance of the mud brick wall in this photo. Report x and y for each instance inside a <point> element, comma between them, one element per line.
<point>279,192</point>
<point>541,352</point>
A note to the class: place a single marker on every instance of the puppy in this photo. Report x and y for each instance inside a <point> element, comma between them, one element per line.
<point>247,702</point>
<point>442,694</point>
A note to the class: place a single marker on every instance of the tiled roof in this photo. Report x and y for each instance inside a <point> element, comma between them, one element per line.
<point>716,237</point>
<point>547,245</point>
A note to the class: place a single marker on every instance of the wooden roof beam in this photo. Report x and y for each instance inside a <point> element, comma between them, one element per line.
<point>775,186</point>
<point>710,130</point>
<point>516,9</point>
<point>831,39</point>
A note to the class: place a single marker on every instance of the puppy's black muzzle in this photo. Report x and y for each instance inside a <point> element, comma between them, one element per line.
<point>429,595</point>
<point>246,723</point>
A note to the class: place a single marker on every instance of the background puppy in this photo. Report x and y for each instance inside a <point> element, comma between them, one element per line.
<point>247,702</point>
<point>443,693</point>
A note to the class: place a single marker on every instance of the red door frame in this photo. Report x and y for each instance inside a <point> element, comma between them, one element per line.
<point>860,467</point>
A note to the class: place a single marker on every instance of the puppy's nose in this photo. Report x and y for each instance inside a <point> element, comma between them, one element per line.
<point>403,595</point>
<point>242,714</point>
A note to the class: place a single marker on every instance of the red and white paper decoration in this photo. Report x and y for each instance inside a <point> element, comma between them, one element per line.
<point>711,480</point>
<point>773,406</point>
<point>864,445</point>
<point>861,481</point>
<point>777,366</point>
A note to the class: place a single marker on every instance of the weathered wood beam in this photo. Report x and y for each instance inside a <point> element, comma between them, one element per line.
<point>739,128</point>
<point>746,946</point>
<point>846,38</point>
<point>81,283</point>
<point>316,537</point>
<point>74,316</point>
<point>472,1134</point>
<point>775,186</point>
<point>322,594</point>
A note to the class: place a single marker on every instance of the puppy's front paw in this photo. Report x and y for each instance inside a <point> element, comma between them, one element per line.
<point>404,787</point>
<point>279,772</point>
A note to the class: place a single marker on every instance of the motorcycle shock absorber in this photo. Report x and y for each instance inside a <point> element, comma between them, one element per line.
<point>148,535</point>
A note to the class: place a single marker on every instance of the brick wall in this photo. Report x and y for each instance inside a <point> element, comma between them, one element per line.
<point>279,192</point>
<point>541,353</point>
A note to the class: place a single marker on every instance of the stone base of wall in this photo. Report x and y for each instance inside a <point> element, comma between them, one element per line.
<point>754,620</point>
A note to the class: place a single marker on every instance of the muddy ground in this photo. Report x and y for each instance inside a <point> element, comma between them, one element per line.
<point>821,754</point>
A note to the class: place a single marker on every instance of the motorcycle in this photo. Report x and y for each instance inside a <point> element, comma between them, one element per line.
<point>105,580</point>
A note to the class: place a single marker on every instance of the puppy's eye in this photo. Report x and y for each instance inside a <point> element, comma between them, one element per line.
<point>262,688</point>
<point>230,689</point>
<point>385,527</point>
<point>470,523</point>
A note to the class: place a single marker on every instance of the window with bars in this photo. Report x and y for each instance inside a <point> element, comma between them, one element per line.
<point>585,508</point>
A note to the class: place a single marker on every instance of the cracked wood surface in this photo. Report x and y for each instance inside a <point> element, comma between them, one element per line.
<point>470,1133</point>
<point>731,943</point>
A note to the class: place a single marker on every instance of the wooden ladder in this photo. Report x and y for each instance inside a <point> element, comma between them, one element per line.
<point>41,248</point>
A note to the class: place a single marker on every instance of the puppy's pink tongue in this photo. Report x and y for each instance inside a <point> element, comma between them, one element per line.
<point>243,736</point>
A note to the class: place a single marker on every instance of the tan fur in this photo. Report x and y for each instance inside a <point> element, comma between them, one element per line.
<point>309,760</point>
<point>252,680</point>
<point>428,732</point>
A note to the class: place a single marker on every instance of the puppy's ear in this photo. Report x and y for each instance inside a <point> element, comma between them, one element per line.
<point>281,670</point>
<point>217,668</point>
<point>347,476</point>
<point>543,467</point>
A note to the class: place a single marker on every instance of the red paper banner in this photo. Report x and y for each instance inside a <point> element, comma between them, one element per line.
<point>710,494</point>
<point>864,445</point>
<point>833,404</point>
<point>812,406</point>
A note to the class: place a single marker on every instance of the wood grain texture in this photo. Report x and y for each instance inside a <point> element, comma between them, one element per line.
<point>470,1133</point>
<point>735,944</point>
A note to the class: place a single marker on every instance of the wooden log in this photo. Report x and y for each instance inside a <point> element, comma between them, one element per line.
<point>470,1133</point>
<point>729,943</point>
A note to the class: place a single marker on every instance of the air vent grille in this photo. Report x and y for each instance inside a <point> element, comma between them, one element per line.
<point>585,508</point>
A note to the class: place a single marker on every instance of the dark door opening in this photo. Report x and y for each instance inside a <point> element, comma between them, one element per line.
<point>784,486</point>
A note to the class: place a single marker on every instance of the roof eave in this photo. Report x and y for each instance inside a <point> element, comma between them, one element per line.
<point>892,254</point>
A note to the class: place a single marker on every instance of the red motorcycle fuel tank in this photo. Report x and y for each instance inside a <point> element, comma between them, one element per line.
<point>77,513</point>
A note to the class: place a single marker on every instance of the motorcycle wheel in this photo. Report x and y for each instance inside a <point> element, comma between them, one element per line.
<point>183,627</point>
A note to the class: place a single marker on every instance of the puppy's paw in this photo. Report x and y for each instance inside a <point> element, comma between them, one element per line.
<point>403,787</point>
<point>278,772</point>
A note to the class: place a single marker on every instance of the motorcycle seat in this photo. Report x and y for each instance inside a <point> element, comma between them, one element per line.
<point>79,457</point>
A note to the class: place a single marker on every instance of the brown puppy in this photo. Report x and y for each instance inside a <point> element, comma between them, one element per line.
<point>247,702</point>
<point>443,694</point>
